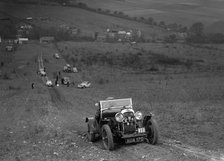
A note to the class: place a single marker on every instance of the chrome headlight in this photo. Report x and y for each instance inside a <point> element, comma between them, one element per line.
<point>138,115</point>
<point>119,117</point>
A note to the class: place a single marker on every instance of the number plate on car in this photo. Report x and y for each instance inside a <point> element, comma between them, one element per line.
<point>141,130</point>
<point>131,140</point>
<point>134,140</point>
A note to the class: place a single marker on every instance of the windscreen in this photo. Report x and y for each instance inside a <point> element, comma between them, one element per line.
<point>116,103</point>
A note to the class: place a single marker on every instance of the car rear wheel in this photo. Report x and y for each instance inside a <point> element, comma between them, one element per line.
<point>152,131</point>
<point>90,134</point>
<point>107,137</point>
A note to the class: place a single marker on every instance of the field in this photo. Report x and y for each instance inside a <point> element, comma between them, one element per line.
<point>182,85</point>
<point>184,12</point>
<point>88,22</point>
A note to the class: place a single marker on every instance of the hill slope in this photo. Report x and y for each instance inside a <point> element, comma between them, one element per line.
<point>217,27</point>
<point>184,12</point>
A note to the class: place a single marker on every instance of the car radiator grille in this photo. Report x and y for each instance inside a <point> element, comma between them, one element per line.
<point>129,128</point>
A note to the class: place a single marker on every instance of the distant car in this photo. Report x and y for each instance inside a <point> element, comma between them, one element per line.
<point>56,55</point>
<point>75,70</point>
<point>68,69</point>
<point>9,48</point>
<point>49,83</point>
<point>29,18</point>
<point>42,72</point>
<point>65,81</point>
<point>85,84</point>
<point>117,122</point>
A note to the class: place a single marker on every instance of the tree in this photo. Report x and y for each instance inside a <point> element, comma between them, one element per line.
<point>196,33</point>
<point>173,26</point>
<point>142,18</point>
<point>197,29</point>
<point>150,20</point>
<point>8,30</point>
<point>183,29</point>
<point>171,39</point>
<point>216,38</point>
<point>162,24</point>
<point>121,13</point>
<point>107,11</point>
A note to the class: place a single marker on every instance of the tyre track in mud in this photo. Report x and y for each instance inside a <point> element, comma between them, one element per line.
<point>58,99</point>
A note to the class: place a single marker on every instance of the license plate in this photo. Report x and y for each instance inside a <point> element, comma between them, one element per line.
<point>131,140</point>
<point>141,130</point>
<point>139,139</point>
<point>134,140</point>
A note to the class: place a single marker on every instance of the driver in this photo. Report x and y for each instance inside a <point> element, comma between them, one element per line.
<point>97,115</point>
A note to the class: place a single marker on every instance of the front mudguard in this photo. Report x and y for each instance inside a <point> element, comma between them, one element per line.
<point>91,121</point>
<point>146,119</point>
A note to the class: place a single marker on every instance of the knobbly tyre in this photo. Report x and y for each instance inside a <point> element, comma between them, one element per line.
<point>116,122</point>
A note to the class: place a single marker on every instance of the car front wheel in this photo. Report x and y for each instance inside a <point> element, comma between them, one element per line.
<point>107,137</point>
<point>152,131</point>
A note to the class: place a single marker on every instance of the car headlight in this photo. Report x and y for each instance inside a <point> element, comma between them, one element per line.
<point>138,115</point>
<point>119,117</point>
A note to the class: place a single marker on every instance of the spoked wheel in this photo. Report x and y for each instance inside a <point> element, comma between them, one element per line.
<point>90,135</point>
<point>152,131</point>
<point>107,137</point>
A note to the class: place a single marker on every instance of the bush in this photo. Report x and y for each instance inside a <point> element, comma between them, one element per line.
<point>103,81</point>
<point>46,60</point>
<point>153,68</point>
<point>107,11</point>
<point>13,88</point>
<point>82,5</point>
<point>216,38</point>
<point>170,39</point>
<point>139,61</point>
<point>6,76</point>
<point>8,30</point>
<point>168,61</point>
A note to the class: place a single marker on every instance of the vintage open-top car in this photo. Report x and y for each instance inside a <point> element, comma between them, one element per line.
<point>42,72</point>
<point>56,56</point>
<point>85,84</point>
<point>116,122</point>
<point>65,81</point>
<point>69,69</point>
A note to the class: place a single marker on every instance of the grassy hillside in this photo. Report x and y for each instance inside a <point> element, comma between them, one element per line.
<point>181,11</point>
<point>216,27</point>
<point>181,102</point>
